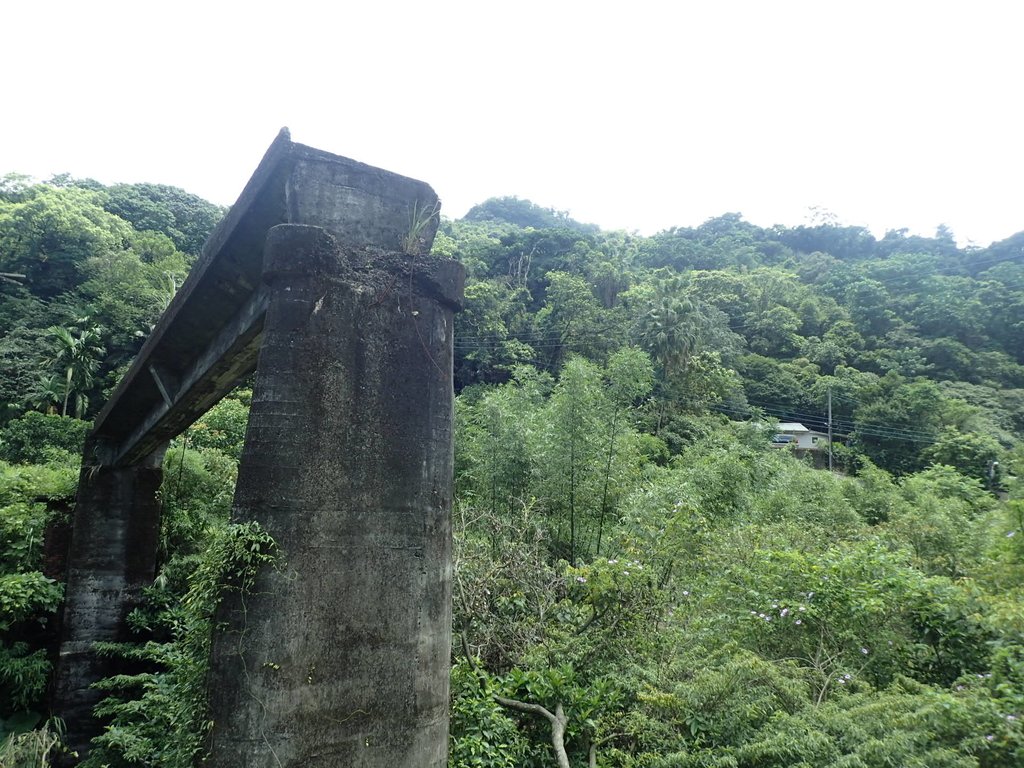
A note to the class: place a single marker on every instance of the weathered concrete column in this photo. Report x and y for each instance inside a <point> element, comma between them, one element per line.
<point>114,541</point>
<point>341,656</point>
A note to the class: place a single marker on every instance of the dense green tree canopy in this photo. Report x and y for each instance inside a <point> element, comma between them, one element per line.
<point>633,555</point>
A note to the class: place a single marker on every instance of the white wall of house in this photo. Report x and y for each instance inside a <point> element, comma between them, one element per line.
<point>803,439</point>
<point>812,441</point>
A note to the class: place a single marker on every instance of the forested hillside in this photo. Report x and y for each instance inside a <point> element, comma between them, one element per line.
<point>642,578</point>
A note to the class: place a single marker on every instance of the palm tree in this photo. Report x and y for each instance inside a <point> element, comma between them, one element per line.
<point>669,331</point>
<point>46,394</point>
<point>76,358</point>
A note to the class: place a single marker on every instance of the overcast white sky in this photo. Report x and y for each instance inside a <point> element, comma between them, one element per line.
<point>635,115</point>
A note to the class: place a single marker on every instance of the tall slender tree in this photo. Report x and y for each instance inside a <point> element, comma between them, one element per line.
<point>77,354</point>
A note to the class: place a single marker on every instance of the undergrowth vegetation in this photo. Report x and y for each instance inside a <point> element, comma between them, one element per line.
<point>642,577</point>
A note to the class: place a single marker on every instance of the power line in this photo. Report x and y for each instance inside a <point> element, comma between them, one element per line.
<point>782,410</point>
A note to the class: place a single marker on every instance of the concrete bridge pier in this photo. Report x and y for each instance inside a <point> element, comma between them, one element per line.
<point>114,543</point>
<point>340,656</point>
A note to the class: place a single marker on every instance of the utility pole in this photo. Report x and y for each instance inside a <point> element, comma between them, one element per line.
<point>993,468</point>
<point>830,429</point>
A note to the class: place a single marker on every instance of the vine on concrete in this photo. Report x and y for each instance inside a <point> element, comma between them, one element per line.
<point>159,716</point>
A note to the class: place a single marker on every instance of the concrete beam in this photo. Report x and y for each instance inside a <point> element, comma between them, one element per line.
<point>230,357</point>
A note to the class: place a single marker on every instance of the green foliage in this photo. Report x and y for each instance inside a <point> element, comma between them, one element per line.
<point>523,213</point>
<point>569,458</point>
<point>688,595</point>
<point>196,495</point>
<point>906,725</point>
<point>939,521</point>
<point>585,700</point>
<point>159,718</point>
<point>572,450</point>
<point>756,611</point>
<point>493,313</point>
<point>972,454</point>
<point>482,734</point>
<point>569,314</point>
<point>871,308</point>
<point>421,218</point>
<point>25,594</point>
<point>223,426</point>
<point>92,285</point>
<point>1002,531</point>
<point>76,358</point>
<point>30,483</point>
<point>50,232</point>
<point>505,588</point>
<point>183,217</point>
<point>781,387</point>
<point>495,454</point>
<point>23,520</point>
<point>909,415</point>
<point>37,438</point>
<point>712,700</point>
<point>22,747</point>
<point>22,528</point>
<point>23,350</point>
<point>24,674</point>
<point>28,598</point>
